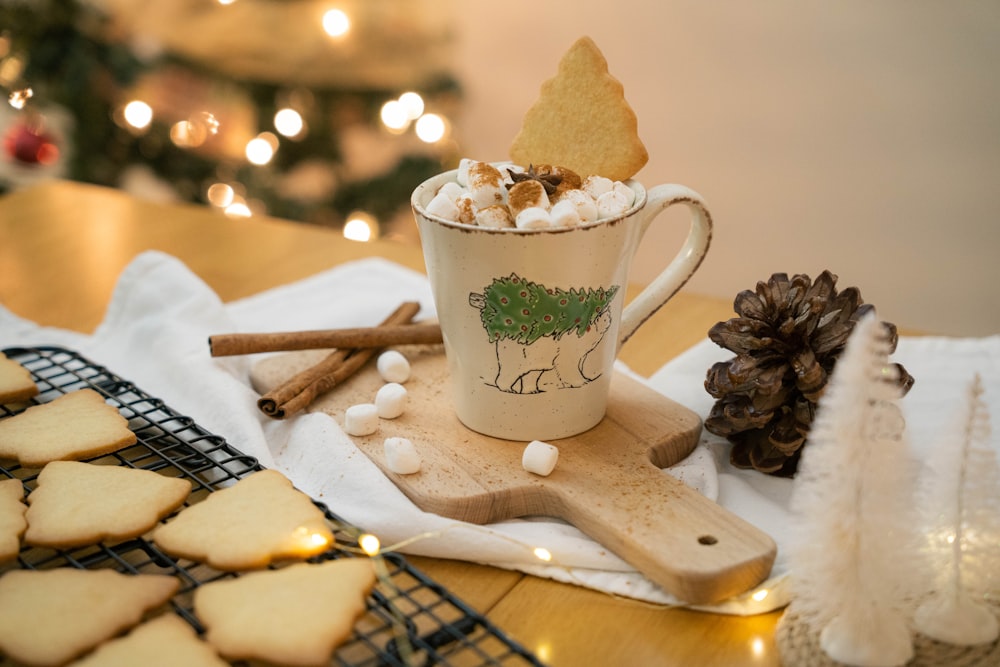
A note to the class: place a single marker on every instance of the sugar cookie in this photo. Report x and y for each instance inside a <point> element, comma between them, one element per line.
<point>15,381</point>
<point>260,519</point>
<point>165,641</point>
<point>77,425</point>
<point>82,503</point>
<point>581,120</point>
<point>48,617</point>
<point>12,521</point>
<point>296,615</point>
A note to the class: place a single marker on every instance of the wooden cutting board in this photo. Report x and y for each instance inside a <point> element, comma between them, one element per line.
<point>607,483</point>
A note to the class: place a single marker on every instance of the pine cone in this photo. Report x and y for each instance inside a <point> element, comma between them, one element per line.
<point>787,339</point>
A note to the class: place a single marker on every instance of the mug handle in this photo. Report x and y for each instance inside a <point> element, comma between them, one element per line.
<point>682,266</point>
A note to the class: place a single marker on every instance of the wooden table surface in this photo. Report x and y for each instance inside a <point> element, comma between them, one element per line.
<point>63,245</point>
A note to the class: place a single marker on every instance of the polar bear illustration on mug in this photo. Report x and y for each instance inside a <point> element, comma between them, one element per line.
<point>543,335</point>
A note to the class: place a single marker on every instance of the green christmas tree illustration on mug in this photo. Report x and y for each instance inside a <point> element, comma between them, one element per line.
<point>540,330</point>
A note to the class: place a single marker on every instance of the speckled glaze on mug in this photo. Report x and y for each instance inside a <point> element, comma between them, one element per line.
<point>532,320</point>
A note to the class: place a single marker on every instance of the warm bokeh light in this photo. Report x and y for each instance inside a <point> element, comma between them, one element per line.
<point>18,98</point>
<point>430,128</point>
<point>261,148</point>
<point>220,194</point>
<point>413,104</point>
<point>360,227</point>
<point>394,115</point>
<point>187,134</point>
<point>238,209</point>
<point>541,553</point>
<point>757,647</point>
<point>138,114</point>
<point>288,122</point>
<point>369,544</point>
<point>226,2</point>
<point>336,23</point>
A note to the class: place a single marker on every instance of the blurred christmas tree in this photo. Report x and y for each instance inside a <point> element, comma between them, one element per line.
<point>254,106</point>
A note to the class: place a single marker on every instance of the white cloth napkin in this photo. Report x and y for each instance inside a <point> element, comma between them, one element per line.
<point>155,333</point>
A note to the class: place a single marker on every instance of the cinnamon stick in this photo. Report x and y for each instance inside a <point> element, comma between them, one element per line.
<point>302,389</point>
<point>223,345</point>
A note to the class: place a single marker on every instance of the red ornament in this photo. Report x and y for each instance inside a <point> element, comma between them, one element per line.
<point>30,145</point>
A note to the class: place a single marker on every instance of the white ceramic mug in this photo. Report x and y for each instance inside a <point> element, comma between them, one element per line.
<point>532,320</point>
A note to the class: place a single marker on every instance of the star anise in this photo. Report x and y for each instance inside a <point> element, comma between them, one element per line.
<point>550,181</point>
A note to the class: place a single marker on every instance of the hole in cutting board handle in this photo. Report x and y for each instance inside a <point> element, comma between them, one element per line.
<point>708,540</point>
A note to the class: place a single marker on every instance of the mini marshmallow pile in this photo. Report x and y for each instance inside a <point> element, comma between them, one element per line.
<point>401,456</point>
<point>390,402</point>
<point>488,196</point>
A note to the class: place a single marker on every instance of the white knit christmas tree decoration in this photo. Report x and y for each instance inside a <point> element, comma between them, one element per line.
<point>852,499</point>
<point>959,502</point>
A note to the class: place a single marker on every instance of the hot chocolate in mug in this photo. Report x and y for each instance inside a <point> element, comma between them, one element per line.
<point>533,319</point>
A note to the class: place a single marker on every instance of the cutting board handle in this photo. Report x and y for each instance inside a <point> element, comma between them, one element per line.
<point>685,543</point>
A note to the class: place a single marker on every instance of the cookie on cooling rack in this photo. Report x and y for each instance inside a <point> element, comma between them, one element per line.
<point>15,381</point>
<point>247,526</point>
<point>165,641</point>
<point>12,522</point>
<point>297,615</point>
<point>78,503</point>
<point>77,425</point>
<point>49,617</point>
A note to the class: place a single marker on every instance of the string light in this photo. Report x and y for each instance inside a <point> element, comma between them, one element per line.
<point>18,98</point>
<point>369,544</point>
<point>757,647</point>
<point>541,553</point>
<point>288,122</point>
<point>360,226</point>
<point>220,194</point>
<point>430,128</point>
<point>336,23</point>
<point>413,104</point>
<point>238,209</point>
<point>138,114</point>
<point>759,596</point>
<point>394,116</point>
<point>261,148</point>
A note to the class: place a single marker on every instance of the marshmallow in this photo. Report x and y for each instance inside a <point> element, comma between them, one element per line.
<point>390,400</point>
<point>361,419</point>
<point>533,218</point>
<point>527,194</point>
<point>452,190</point>
<point>466,209</point>
<point>401,456</point>
<point>443,206</point>
<point>462,175</point>
<point>540,458</point>
<point>495,216</point>
<point>393,366</point>
<point>627,192</point>
<point>586,207</point>
<point>612,204</point>
<point>485,183</point>
<point>565,214</point>
<point>595,186</point>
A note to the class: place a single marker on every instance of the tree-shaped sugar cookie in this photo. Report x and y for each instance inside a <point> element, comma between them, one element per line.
<point>48,617</point>
<point>83,503</point>
<point>12,522</point>
<point>77,425</point>
<point>297,615</point>
<point>260,519</point>
<point>581,120</point>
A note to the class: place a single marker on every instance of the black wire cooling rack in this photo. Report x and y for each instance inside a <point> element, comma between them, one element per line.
<point>410,619</point>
